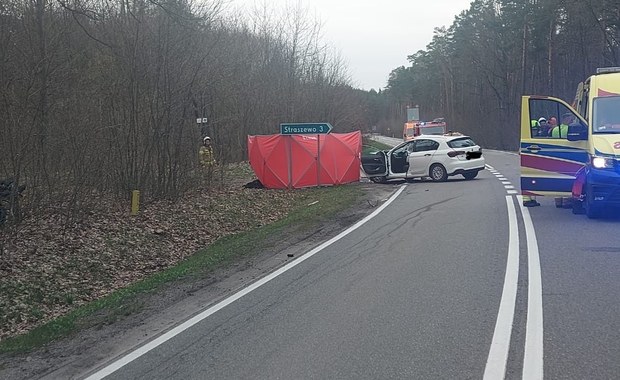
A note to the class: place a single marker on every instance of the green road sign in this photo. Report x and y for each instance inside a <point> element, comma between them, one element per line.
<point>305,128</point>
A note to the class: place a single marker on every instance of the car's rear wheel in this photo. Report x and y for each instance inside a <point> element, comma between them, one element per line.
<point>381,179</point>
<point>438,173</point>
<point>470,175</point>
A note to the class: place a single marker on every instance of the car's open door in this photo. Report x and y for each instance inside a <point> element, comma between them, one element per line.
<point>375,164</point>
<point>549,160</point>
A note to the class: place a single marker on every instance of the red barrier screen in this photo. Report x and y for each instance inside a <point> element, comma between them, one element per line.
<point>298,161</point>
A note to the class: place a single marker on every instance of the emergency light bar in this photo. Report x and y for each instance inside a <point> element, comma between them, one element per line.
<point>604,70</point>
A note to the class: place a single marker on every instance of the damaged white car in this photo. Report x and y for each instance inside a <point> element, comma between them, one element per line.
<point>437,157</point>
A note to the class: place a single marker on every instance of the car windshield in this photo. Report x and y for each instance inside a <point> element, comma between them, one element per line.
<point>606,115</point>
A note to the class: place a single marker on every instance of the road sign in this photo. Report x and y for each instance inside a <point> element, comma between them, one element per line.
<point>305,128</point>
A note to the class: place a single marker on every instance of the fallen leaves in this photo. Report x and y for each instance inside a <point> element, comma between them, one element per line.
<point>48,269</point>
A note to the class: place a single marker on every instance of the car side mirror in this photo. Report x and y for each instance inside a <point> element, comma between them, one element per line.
<point>577,132</point>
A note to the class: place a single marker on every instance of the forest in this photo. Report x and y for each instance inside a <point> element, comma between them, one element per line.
<point>101,97</point>
<point>474,72</point>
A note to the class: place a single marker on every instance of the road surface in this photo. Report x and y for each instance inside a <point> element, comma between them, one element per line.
<point>449,280</point>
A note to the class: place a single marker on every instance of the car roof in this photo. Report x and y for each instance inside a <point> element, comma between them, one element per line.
<point>439,137</point>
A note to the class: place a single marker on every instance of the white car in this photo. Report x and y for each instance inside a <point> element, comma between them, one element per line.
<point>437,157</point>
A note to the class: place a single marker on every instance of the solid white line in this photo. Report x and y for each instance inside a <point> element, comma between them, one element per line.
<point>533,358</point>
<point>133,355</point>
<point>498,354</point>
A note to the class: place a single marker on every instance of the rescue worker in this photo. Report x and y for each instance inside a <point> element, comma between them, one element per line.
<point>535,127</point>
<point>561,131</point>
<point>207,158</point>
<point>543,127</point>
<point>552,122</point>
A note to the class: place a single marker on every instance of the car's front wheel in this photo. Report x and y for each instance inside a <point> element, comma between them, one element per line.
<point>438,173</point>
<point>470,175</point>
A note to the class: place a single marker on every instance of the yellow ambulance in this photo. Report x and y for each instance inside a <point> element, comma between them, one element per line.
<point>574,151</point>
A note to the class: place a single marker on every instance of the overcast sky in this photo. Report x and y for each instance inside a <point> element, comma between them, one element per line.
<point>376,36</point>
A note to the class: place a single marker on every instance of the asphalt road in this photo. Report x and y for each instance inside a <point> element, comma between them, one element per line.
<point>442,283</point>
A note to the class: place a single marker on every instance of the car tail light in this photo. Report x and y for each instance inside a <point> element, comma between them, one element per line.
<point>455,153</point>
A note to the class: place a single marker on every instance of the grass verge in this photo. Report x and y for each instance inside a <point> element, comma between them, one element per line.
<point>373,146</point>
<point>308,215</point>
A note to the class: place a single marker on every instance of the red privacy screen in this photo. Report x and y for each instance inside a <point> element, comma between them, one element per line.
<point>297,161</point>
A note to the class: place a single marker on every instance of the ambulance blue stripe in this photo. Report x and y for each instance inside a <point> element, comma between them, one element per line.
<point>547,184</point>
<point>550,146</point>
<point>571,156</point>
<point>557,151</point>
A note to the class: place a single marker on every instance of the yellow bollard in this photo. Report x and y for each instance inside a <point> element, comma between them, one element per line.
<point>135,202</point>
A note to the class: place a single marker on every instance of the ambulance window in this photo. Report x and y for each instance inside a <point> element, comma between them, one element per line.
<point>549,119</point>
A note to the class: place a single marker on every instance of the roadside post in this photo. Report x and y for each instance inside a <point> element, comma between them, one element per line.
<point>135,202</point>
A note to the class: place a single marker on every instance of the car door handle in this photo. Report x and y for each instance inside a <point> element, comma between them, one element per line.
<point>533,148</point>
<point>426,155</point>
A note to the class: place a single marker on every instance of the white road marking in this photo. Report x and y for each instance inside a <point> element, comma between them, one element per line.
<point>512,192</point>
<point>133,355</point>
<point>533,358</point>
<point>506,182</point>
<point>508,187</point>
<point>500,345</point>
<point>488,166</point>
<point>502,178</point>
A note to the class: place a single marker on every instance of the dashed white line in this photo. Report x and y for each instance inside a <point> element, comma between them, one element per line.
<point>508,187</point>
<point>512,192</point>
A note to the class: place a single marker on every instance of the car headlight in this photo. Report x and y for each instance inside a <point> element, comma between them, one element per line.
<point>602,162</point>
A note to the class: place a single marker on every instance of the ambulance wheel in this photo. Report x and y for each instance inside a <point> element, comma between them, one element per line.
<point>438,173</point>
<point>378,179</point>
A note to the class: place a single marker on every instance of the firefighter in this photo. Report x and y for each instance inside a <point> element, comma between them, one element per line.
<point>207,158</point>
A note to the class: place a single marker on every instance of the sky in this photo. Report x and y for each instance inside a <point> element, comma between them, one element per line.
<point>376,36</point>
